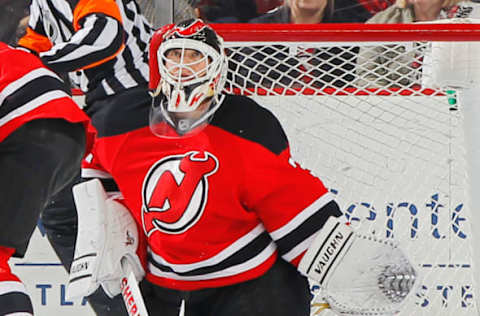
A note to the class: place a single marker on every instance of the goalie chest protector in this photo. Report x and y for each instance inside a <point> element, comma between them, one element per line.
<point>219,206</point>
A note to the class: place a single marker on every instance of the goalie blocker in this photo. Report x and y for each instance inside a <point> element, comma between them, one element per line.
<point>358,274</point>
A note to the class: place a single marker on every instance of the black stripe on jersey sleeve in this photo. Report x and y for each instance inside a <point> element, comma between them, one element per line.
<point>109,185</point>
<point>89,39</point>
<point>130,65</point>
<point>82,60</point>
<point>114,83</point>
<point>15,302</point>
<point>36,24</point>
<point>243,117</point>
<point>135,30</point>
<point>244,254</point>
<point>58,14</point>
<point>147,28</point>
<point>31,90</point>
<point>309,227</point>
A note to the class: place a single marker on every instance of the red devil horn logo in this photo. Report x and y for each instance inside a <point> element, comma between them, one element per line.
<point>176,199</point>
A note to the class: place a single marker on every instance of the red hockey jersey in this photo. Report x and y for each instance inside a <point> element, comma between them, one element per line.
<point>29,91</point>
<point>217,207</point>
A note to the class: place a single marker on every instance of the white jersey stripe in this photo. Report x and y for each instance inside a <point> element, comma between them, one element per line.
<point>12,286</point>
<point>34,17</point>
<point>221,256</point>
<point>230,271</point>
<point>127,80</point>
<point>39,101</point>
<point>94,173</point>
<point>17,84</point>
<point>302,216</point>
<point>103,40</point>
<point>67,54</point>
<point>298,249</point>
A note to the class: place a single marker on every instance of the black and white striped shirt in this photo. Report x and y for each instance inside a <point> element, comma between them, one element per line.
<point>102,44</point>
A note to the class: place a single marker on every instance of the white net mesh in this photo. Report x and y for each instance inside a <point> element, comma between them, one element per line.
<point>392,150</point>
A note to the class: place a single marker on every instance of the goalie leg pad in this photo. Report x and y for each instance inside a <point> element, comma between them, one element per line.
<point>106,233</point>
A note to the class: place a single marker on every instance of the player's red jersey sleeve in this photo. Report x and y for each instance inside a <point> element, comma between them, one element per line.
<point>92,167</point>
<point>291,202</point>
<point>29,91</point>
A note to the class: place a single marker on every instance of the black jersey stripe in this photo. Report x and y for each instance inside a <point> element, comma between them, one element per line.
<point>134,72</point>
<point>104,79</point>
<point>115,84</point>
<point>243,117</point>
<point>136,31</point>
<point>61,17</point>
<point>71,52</point>
<point>307,228</point>
<point>135,43</point>
<point>58,22</point>
<point>109,185</point>
<point>249,251</point>
<point>129,13</point>
<point>34,21</point>
<point>30,91</point>
<point>89,39</point>
<point>15,302</point>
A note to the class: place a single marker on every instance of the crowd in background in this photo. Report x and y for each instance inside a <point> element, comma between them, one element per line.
<point>14,13</point>
<point>375,65</point>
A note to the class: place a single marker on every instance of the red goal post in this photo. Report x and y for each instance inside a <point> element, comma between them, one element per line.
<point>349,32</point>
<point>385,116</point>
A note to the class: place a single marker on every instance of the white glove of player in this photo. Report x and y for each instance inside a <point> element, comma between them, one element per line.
<point>358,274</point>
<point>107,238</point>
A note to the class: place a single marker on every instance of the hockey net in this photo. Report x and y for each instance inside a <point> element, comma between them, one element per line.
<point>363,108</point>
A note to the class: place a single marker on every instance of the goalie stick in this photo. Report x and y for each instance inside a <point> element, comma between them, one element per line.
<point>132,296</point>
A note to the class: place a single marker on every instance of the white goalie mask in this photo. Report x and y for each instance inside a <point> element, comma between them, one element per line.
<point>191,71</point>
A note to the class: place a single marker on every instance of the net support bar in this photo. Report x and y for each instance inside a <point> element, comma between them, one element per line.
<point>470,99</point>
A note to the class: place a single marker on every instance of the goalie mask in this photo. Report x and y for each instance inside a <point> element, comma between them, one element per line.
<point>187,76</point>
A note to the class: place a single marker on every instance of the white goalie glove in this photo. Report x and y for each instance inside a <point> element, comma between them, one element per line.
<point>358,274</point>
<point>107,241</point>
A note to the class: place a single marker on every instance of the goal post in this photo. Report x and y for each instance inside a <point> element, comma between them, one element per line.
<point>387,116</point>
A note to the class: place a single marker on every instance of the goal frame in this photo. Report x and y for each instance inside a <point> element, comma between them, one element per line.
<point>348,32</point>
<point>253,34</point>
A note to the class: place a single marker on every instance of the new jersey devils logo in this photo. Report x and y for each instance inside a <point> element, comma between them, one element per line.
<point>175,192</point>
